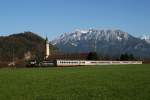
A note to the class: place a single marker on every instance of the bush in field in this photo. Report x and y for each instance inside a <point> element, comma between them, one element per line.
<point>127,57</point>
<point>92,56</point>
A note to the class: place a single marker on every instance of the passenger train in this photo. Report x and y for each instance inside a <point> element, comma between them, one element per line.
<point>65,63</point>
<point>86,62</point>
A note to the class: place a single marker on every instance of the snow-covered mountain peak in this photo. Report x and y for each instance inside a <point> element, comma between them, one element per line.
<point>92,34</point>
<point>81,31</point>
<point>146,38</point>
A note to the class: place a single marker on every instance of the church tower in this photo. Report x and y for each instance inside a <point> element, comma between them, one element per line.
<point>47,53</point>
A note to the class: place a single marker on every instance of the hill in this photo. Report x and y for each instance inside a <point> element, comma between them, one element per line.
<point>106,42</point>
<point>21,46</point>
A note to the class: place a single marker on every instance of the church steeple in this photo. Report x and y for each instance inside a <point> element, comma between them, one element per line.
<point>46,39</point>
<point>47,52</point>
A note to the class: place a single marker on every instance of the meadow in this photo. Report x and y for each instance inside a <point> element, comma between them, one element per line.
<point>117,82</point>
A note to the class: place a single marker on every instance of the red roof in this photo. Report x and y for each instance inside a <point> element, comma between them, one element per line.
<point>69,56</point>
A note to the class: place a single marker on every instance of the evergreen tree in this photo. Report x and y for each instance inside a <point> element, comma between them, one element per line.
<point>127,57</point>
<point>92,56</point>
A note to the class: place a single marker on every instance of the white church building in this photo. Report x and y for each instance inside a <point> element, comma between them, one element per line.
<point>47,49</point>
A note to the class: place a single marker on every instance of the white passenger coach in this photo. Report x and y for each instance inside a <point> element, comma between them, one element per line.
<point>86,62</point>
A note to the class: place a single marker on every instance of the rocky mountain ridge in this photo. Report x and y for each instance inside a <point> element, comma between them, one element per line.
<point>107,42</point>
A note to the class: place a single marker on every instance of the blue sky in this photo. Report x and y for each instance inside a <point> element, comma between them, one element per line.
<point>54,17</point>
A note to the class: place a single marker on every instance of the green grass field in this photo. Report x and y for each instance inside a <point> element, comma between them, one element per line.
<point>122,82</point>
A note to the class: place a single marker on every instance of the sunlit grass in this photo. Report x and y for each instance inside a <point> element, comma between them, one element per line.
<point>121,82</point>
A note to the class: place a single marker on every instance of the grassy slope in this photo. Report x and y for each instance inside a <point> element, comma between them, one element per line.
<point>125,82</point>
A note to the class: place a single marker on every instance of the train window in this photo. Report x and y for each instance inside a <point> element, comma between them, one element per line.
<point>93,62</point>
<point>83,62</point>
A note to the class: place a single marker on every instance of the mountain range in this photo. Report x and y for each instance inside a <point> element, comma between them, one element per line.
<point>106,42</point>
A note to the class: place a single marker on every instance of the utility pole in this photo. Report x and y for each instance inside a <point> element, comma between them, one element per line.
<point>95,43</point>
<point>12,57</point>
<point>92,45</point>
